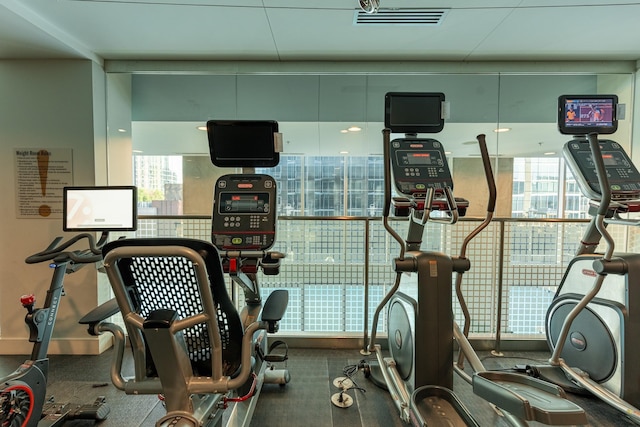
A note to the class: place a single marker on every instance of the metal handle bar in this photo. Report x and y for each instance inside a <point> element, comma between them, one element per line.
<point>452,208</point>
<point>253,254</point>
<point>56,250</point>
<point>488,171</point>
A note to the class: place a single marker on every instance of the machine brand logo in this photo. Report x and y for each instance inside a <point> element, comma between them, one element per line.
<point>578,341</point>
<point>398,337</point>
<point>587,272</point>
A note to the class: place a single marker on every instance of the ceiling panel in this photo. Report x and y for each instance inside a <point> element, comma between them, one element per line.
<point>327,34</point>
<point>140,30</point>
<point>566,33</point>
<point>289,30</point>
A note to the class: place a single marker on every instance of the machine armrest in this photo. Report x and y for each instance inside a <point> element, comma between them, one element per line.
<point>99,314</point>
<point>274,308</point>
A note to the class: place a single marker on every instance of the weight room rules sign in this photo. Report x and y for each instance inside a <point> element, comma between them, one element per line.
<point>41,174</point>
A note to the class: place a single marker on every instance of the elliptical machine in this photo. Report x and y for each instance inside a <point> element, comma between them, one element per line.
<point>23,400</point>
<point>593,332</point>
<point>419,313</point>
<point>421,329</point>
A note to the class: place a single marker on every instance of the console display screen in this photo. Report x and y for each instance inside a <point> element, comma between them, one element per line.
<point>583,114</point>
<point>612,158</point>
<point>100,208</point>
<point>418,158</point>
<point>244,203</point>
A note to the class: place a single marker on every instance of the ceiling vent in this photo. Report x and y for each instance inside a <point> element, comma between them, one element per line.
<point>413,16</point>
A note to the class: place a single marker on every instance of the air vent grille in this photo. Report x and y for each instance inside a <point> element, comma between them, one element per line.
<point>422,17</point>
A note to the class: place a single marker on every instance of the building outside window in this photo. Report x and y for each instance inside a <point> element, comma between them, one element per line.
<point>332,252</point>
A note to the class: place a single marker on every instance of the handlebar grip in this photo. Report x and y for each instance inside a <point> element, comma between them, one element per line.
<point>83,257</point>
<point>484,152</point>
<point>56,250</point>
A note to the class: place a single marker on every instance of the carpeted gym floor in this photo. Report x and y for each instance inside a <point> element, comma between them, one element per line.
<point>305,401</point>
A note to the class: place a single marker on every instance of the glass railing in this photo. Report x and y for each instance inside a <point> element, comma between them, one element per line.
<point>333,262</point>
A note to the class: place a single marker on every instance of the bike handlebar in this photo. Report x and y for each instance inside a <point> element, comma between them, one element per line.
<point>56,250</point>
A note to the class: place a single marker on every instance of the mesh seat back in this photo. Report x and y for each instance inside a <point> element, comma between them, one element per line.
<point>170,282</point>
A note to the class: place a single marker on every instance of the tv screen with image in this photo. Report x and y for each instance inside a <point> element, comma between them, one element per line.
<point>102,208</point>
<point>584,114</point>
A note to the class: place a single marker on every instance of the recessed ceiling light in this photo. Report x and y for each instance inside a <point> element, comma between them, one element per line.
<point>137,151</point>
<point>344,152</point>
<point>549,153</point>
<point>202,128</point>
<point>354,129</point>
<point>447,152</point>
<point>122,130</point>
<point>344,131</point>
<point>498,130</point>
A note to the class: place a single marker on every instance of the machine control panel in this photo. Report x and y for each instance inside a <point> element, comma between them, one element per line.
<point>419,164</point>
<point>244,215</point>
<point>623,176</point>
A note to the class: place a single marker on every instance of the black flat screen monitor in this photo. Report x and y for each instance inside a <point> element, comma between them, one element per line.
<point>242,143</point>
<point>584,114</point>
<point>108,208</point>
<point>413,112</point>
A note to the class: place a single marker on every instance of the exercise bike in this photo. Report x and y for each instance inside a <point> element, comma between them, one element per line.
<point>189,343</point>
<point>23,400</point>
<point>86,210</point>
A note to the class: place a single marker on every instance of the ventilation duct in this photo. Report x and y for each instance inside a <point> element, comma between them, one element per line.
<point>413,16</point>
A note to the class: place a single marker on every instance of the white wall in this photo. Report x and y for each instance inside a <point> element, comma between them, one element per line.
<point>46,104</point>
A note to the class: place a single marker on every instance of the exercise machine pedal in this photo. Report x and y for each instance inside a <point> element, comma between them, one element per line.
<point>528,398</point>
<point>54,414</point>
<point>435,405</point>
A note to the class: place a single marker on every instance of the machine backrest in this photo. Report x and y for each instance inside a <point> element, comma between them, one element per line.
<point>164,273</point>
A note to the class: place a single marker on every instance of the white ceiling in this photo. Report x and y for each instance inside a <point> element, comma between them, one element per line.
<point>290,30</point>
<point>324,30</point>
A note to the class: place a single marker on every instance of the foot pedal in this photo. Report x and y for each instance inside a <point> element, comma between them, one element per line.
<point>277,357</point>
<point>528,398</point>
<point>98,410</point>
<point>439,406</point>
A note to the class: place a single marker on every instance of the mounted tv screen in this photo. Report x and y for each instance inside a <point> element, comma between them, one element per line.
<point>243,143</point>
<point>584,114</point>
<point>112,208</point>
<point>413,112</point>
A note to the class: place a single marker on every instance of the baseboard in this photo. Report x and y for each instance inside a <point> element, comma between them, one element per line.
<point>73,346</point>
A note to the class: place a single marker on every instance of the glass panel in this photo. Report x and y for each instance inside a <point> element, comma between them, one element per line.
<point>328,170</point>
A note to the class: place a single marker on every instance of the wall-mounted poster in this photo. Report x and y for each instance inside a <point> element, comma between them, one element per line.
<point>41,174</point>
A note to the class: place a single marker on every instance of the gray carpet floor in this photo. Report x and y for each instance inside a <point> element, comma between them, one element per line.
<point>305,401</point>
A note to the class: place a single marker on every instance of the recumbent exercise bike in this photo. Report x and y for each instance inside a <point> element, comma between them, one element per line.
<point>189,343</point>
